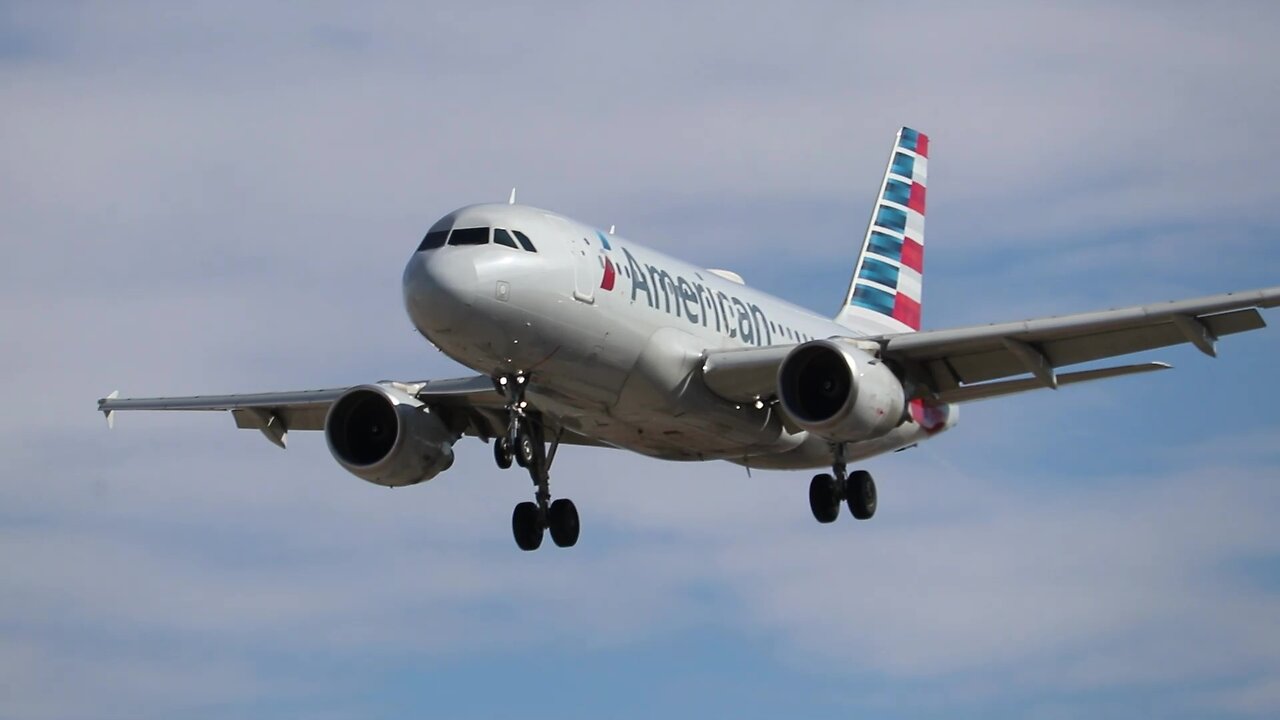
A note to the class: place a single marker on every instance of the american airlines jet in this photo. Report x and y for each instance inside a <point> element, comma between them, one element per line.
<point>580,337</point>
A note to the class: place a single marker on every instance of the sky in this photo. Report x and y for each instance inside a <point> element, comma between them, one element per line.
<point>221,197</point>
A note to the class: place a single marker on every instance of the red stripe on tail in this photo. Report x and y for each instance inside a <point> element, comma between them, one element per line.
<point>907,311</point>
<point>916,200</point>
<point>913,255</point>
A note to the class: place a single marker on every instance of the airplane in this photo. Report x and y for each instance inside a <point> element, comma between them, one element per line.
<point>582,337</point>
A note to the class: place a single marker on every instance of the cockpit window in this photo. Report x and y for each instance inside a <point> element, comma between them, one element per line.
<point>438,233</point>
<point>525,242</point>
<point>470,236</point>
<point>433,240</point>
<point>502,237</point>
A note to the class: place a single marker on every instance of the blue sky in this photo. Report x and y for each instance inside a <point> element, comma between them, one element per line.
<point>221,198</point>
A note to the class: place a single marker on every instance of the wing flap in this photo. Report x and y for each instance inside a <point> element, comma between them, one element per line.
<point>986,391</point>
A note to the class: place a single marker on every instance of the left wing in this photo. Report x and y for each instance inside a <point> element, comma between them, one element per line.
<point>958,364</point>
<point>964,364</point>
<point>469,406</point>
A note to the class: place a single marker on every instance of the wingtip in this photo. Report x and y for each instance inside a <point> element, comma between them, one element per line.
<point>110,415</point>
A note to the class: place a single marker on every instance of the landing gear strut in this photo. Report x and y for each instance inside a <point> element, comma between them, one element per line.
<point>526,444</point>
<point>827,491</point>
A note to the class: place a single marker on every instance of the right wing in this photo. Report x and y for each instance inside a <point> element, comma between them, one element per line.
<point>469,406</point>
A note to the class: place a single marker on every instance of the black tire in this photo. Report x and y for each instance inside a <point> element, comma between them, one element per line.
<point>861,494</point>
<point>502,453</point>
<point>562,520</point>
<point>526,526</point>
<point>526,449</point>
<point>824,498</point>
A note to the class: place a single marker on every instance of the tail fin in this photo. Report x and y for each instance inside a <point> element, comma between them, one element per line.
<point>885,291</point>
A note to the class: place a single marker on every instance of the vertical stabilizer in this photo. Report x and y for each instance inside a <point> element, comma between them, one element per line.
<point>886,289</point>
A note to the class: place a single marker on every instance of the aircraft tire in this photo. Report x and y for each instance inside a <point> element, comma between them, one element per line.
<point>502,452</point>
<point>526,526</point>
<point>562,519</point>
<point>861,495</point>
<point>824,500</point>
<point>526,449</point>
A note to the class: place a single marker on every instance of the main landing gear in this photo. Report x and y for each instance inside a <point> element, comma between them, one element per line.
<point>826,492</point>
<point>526,445</point>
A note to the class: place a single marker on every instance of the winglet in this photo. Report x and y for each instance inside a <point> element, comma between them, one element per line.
<point>109,414</point>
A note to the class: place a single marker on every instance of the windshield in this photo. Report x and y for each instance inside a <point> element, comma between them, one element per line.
<point>437,234</point>
<point>469,236</point>
<point>443,233</point>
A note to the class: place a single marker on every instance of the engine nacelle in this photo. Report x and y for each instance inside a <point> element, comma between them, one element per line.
<point>840,392</point>
<point>387,437</point>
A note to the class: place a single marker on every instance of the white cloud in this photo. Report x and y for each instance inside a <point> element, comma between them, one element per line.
<point>222,199</point>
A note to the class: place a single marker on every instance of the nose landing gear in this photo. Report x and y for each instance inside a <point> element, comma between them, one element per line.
<point>826,492</point>
<point>526,445</point>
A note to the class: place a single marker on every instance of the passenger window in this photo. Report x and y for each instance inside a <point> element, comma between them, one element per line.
<point>502,237</point>
<point>433,240</point>
<point>525,242</point>
<point>470,236</point>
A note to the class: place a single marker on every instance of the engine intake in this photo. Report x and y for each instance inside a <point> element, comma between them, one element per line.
<point>840,392</point>
<point>387,437</point>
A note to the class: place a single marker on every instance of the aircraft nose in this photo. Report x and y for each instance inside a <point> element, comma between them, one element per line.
<point>439,289</point>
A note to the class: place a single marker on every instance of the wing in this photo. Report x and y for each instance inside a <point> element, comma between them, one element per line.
<point>469,406</point>
<point>963,364</point>
<point>959,364</point>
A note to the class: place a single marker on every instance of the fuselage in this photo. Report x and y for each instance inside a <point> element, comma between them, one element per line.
<point>612,335</point>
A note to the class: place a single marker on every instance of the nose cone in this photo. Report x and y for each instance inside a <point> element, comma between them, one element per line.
<point>440,289</point>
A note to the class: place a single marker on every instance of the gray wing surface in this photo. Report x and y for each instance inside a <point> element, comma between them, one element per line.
<point>971,363</point>
<point>470,406</point>
<point>952,361</point>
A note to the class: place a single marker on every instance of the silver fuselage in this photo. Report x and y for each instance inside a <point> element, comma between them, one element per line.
<point>612,336</point>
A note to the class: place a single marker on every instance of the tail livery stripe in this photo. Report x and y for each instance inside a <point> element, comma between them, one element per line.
<point>912,255</point>
<point>915,141</point>
<point>888,279</point>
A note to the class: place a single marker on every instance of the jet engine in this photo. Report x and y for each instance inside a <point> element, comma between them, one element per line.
<point>840,392</point>
<point>388,437</point>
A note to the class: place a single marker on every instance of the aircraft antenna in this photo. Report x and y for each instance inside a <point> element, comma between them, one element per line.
<point>512,200</point>
<point>611,229</point>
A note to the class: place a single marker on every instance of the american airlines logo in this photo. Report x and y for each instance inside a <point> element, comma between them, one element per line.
<point>694,301</point>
